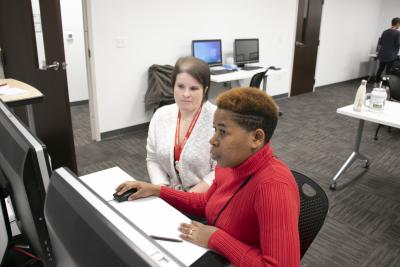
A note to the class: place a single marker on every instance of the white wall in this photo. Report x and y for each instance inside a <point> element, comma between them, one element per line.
<point>129,36</point>
<point>348,36</point>
<point>72,20</point>
<point>390,9</point>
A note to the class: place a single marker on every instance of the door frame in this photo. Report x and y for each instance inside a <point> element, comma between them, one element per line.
<point>90,69</point>
<point>290,76</point>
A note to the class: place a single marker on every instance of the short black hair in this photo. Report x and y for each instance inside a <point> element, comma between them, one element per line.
<point>395,21</point>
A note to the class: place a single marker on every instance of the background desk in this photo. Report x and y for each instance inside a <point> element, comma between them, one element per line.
<point>31,96</point>
<point>243,75</point>
<point>389,116</point>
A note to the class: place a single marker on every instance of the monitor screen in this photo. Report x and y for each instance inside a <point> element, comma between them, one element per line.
<point>25,166</point>
<point>208,50</point>
<point>246,51</point>
<point>91,232</point>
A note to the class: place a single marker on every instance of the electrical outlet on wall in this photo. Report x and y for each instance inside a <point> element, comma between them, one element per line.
<point>120,43</point>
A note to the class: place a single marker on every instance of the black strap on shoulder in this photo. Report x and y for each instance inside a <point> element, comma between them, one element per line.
<point>226,204</point>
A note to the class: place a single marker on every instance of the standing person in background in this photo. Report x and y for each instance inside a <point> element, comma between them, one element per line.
<point>253,205</point>
<point>178,152</point>
<point>389,48</point>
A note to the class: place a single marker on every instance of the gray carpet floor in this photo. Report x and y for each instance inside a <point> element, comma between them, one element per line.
<point>362,227</point>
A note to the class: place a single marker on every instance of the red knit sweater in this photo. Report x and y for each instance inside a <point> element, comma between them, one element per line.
<point>259,227</point>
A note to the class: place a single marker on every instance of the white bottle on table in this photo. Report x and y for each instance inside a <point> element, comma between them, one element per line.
<point>360,96</point>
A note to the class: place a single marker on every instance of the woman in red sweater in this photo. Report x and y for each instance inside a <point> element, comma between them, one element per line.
<point>253,205</point>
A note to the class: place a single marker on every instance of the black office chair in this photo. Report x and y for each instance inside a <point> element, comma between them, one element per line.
<point>314,206</point>
<point>394,94</point>
<point>159,91</point>
<point>258,77</point>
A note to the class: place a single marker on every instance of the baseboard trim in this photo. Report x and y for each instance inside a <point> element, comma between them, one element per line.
<point>280,96</point>
<point>123,131</point>
<point>78,103</point>
<point>339,83</point>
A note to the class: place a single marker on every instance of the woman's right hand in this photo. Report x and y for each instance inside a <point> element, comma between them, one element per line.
<point>143,189</point>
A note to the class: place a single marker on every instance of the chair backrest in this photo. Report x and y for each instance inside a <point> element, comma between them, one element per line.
<point>314,206</point>
<point>256,79</point>
<point>159,90</point>
<point>394,87</point>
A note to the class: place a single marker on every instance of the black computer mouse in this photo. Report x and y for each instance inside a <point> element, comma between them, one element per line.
<point>124,196</point>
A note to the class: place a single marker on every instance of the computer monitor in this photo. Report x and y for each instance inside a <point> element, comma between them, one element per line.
<point>246,51</point>
<point>209,51</point>
<point>5,231</point>
<point>86,230</point>
<point>25,167</point>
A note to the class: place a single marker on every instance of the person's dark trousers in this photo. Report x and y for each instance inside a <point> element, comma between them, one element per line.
<point>382,66</point>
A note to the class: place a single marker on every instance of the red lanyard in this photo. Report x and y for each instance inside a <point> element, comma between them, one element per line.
<point>178,148</point>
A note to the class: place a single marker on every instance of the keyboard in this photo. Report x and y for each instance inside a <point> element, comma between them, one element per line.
<point>221,71</point>
<point>251,67</point>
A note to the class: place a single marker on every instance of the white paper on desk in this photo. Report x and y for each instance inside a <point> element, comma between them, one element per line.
<point>156,217</point>
<point>5,90</point>
<point>152,215</point>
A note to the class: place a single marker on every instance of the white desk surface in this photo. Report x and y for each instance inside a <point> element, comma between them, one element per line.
<point>31,92</point>
<point>389,116</point>
<point>241,75</point>
<point>152,215</point>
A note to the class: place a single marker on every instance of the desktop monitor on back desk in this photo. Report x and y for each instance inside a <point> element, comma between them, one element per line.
<point>246,51</point>
<point>209,51</point>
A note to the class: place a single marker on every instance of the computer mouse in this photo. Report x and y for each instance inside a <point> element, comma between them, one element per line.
<point>124,196</point>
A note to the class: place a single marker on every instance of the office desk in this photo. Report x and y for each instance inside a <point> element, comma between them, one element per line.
<point>242,75</point>
<point>152,215</point>
<point>389,116</point>
<point>31,96</point>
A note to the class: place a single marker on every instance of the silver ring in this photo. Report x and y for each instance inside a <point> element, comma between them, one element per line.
<point>191,231</point>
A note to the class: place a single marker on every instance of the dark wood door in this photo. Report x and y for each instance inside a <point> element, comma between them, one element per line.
<point>18,43</point>
<point>306,47</point>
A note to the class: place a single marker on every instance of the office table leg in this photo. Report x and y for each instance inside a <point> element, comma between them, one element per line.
<point>355,155</point>
<point>264,87</point>
<point>31,120</point>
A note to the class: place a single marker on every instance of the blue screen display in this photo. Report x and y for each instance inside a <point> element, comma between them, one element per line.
<point>208,50</point>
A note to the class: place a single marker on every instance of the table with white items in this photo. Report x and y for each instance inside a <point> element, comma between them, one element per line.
<point>243,75</point>
<point>152,215</point>
<point>389,117</point>
<point>25,95</point>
